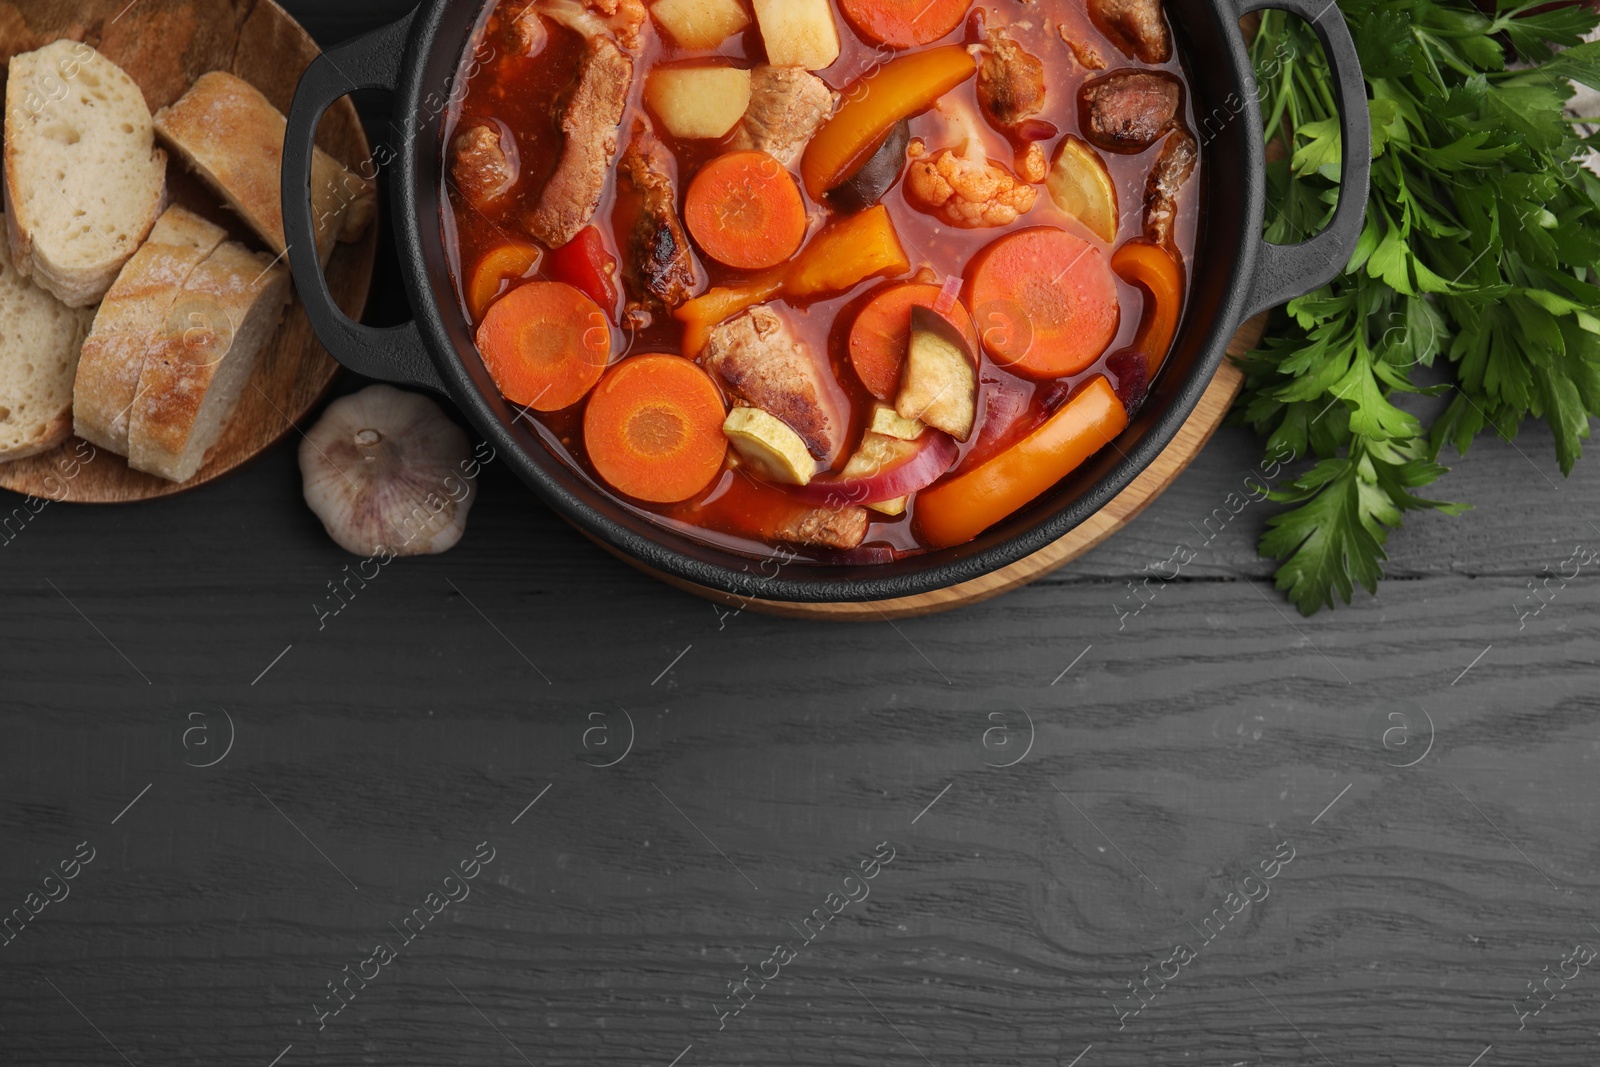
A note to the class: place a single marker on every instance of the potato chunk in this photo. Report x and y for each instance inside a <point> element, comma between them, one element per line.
<point>700,23</point>
<point>798,33</point>
<point>699,102</point>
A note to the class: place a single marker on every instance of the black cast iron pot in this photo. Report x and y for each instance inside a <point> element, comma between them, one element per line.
<point>1235,275</point>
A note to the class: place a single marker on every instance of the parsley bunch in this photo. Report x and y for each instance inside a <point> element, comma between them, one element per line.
<point>1480,260</point>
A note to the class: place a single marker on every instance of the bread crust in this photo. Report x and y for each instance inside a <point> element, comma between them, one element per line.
<point>232,137</point>
<point>190,383</point>
<point>18,247</point>
<point>131,321</point>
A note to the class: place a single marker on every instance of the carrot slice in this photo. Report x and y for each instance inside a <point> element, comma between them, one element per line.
<point>905,23</point>
<point>743,209</point>
<point>653,429</point>
<point>1153,269</point>
<point>499,270</point>
<point>955,511</point>
<point>545,345</point>
<point>1045,302</point>
<point>882,330</point>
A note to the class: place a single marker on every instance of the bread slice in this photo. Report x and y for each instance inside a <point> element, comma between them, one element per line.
<point>232,136</point>
<point>190,384</point>
<point>132,319</point>
<point>84,180</point>
<point>39,341</point>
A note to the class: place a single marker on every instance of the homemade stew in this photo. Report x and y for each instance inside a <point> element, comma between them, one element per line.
<point>856,278</point>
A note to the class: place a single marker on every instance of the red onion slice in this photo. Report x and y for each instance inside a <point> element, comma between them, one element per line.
<point>924,468</point>
<point>1004,404</point>
<point>1031,130</point>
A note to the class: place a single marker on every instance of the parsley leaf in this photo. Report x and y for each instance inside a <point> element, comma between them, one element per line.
<point>1480,260</point>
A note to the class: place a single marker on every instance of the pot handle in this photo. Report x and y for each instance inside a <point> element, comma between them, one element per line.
<point>1284,272</point>
<point>395,354</point>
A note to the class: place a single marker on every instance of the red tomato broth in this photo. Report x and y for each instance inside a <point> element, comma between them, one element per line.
<point>526,93</point>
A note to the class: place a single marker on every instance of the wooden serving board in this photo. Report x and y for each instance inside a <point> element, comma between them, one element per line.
<point>164,45</point>
<point>1173,461</point>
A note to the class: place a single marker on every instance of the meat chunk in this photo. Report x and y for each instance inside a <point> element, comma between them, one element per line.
<point>1010,82</point>
<point>485,166</point>
<point>845,528</point>
<point>593,113</point>
<point>1127,110</point>
<point>788,105</point>
<point>966,188</point>
<point>1085,52</point>
<point>1174,166</point>
<point>761,361</point>
<point>660,267</point>
<point>524,31</point>
<point>591,122</point>
<point>1011,91</point>
<point>1138,27</point>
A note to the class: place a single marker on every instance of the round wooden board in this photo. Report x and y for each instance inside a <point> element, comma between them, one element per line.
<point>164,45</point>
<point>1173,461</point>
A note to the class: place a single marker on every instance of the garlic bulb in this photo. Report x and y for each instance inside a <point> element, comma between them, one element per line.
<point>385,471</point>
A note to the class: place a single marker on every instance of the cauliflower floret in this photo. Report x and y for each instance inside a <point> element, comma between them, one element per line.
<point>967,193</point>
<point>598,18</point>
<point>966,188</point>
<point>625,17</point>
<point>1032,164</point>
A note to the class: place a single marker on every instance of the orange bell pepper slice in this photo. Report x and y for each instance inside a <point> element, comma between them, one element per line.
<point>497,272</point>
<point>954,512</point>
<point>702,313</point>
<point>846,254</point>
<point>1156,271</point>
<point>898,89</point>
<point>839,258</point>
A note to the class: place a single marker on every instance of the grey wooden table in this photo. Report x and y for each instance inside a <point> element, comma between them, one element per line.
<point>518,804</point>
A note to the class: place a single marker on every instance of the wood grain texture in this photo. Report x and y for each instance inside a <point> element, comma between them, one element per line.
<point>164,45</point>
<point>1186,742</point>
<point>412,727</point>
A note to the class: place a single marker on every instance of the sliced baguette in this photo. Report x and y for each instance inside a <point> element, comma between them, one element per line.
<point>84,181</point>
<point>39,341</point>
<point>132,319</point>
<point>232,136</point>
<point>191,383</point>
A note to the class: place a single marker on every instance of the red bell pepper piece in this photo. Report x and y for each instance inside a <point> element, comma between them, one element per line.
<point>585,264</point>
